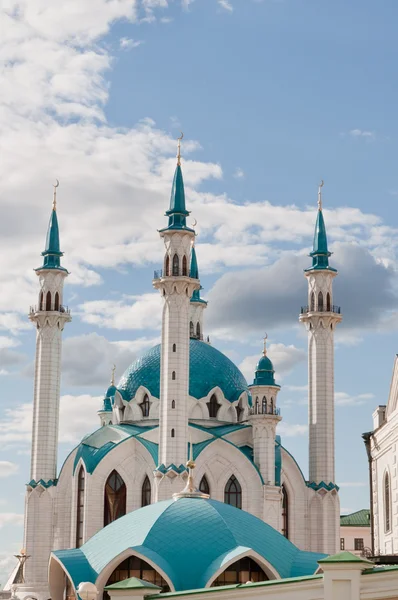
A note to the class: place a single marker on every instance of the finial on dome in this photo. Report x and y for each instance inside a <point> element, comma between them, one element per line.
<point>190,490</point>
<point>320,194</point>
<point>265,344</point>
<point>113,375</point>
<point>55,194</point>
<point>179,149</point>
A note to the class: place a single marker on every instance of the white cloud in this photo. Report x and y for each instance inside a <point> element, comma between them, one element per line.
<point>344,399</point>
<point>14,519</point>
<point>128,43</point>
<point>226,5</point>
<point>361,133</point>
<point>132,312</point>
<point>284,359</point>
<point>292,429</point>
<point>8,468</point>
<point>239,173</point>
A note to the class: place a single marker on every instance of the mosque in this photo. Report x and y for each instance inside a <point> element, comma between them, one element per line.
<point>124,503</point>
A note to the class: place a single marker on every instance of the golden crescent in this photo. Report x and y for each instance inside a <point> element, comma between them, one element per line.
<point>181,136</point>
<point>57,184</point>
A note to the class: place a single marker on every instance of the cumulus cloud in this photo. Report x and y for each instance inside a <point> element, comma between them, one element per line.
<point>225,5</point>
<point>239,173</point>
<point>284,359</point>
<point>10,519</point>
<point>128,43</point>
<point>361,133</point>
<point>345,399</point>
<point>291,429</point>
<point>8,468</point>
<point>131,312</point>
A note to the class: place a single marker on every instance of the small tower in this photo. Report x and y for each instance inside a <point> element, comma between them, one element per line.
<point>176,286</point>
<point>320,317</point>
<point>264,417</point>
<point>105,412</point>
<point>49,317</point>
<point>197,304</point>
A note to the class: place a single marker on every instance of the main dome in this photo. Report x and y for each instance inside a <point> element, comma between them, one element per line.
<point>208,368</point>
<point>189,540</point>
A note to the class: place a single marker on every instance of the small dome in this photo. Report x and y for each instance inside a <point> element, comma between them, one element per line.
<point>264,364</point>
<point>111,391</point>
<point>106,405</point>
<point>190,540</point>
<point>264,372</point>
<point>208,368</point>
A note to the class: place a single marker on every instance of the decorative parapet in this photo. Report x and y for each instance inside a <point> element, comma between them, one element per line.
<point>46,484</point>
<point>328,487</point>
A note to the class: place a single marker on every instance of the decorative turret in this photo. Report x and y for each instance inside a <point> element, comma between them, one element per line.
<point>106,411</point>
<point>320,317</point>
<point>176,286</point>
<point>197,304</point>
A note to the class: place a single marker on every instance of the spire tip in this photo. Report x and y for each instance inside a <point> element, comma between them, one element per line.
<point>320,194</point>
<point>179,149</point>
<point>55,194</point>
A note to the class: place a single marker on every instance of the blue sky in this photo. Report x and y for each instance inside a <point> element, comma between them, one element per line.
<point>272,96</point>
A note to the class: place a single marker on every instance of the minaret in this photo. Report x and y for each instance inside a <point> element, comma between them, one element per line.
<point>50,317</point>
<point>176,286</point>
<point>264,417</point>
<point>197,303</point>
<point>321,317</point>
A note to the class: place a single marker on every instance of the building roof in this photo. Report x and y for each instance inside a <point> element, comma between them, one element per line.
<point>189,540</point>
<point>320,253</point>
<point>360,518</point>
<point>133,583</point>
<point>177,212</point>
<point>208,368</point>
<point>52,253</point>
<point>344,557</point>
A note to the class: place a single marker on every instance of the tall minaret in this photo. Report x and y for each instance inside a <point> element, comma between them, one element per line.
<point>197,303</point>
<point>321,317</point>
<point>50,317</point>
<point>176,286</point>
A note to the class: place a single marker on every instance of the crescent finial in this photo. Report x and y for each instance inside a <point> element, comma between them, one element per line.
<point>265,338</point>
<point>179,149</point>
<point>55,185</point>
<point>320,194</point>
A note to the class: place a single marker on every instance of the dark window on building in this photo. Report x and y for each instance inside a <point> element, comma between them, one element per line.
<point>167,266</point>
<point>213,406</point>
<point>264,405</point>
<point>320,301</point>
<point>328,302</point>
<point>387,502</point>
<point>115,498</point>
<point>174,348</point>
<point>342,544</point>
<point>146,492</point>
<point>135,567</point>
<point>271,406</point>
<point>176,265</point>
<point>80,508</point>
<point>56,301</point>
<point>285,512</point>
<point>173,404</point>
<point>239,411</point>
<point>358,544</point>
<point>184,266</point>
<point>145,406</point>
<point>204,485</point>
<point>242,571</point>
<point>198,330</point>
<point>172,433</point>
<point>41,301</point>
<point>312,303</point>
<point>48,301</point>
<point>173,375</point>
<point>233,492</point>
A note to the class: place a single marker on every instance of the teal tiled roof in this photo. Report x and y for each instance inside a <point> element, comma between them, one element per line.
<point>208,368</point>
<point>189,539</point>
<point>52,253</point>
<point>320,253</point>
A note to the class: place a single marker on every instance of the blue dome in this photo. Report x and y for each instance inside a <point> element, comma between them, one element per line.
<point>264,372</point>
<point>189,540</point>
<point>264,364</point>
<point>208,368</point>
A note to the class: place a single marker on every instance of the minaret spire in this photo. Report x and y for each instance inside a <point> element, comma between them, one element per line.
<point>320,253</point>
<point>55,194</point>
<point>320,194</point>
<point>177,212</point>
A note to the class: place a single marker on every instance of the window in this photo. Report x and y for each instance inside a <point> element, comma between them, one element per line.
<point>342,544</point>
<point>191,330</point>
<point>213,406</point>
<point>176,265</point>
<point>358,544</point>
<point>312,303</point>
<point>256,406</point>
<point>115,498</point>
<point>184,266</point>
<point>239,411</point>
<point>328,302</point>
<point>173,404</point>
<point>41,301</point>
<point>80,508</point>
<point>174,348</point>
<point>264,405</point>
<point>48,301</point>
<point>271,406</point>
<point>204,485</point>
<point>387,502</point>
<point>172,433</point>
<point>242,571</point>
<point>146,492</point>
<point>198,330</point>
<point>233,492</point>
<point>173,375</point>
<point>285,512</point>
<point>320,301</point>
<point>144,406</point>
<point>167,266</point>
<point>135,567</point>
<point>56,301</point>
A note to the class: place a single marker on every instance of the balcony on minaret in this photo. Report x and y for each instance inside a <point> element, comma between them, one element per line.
<point>264,408</point>
<point>324,309</point>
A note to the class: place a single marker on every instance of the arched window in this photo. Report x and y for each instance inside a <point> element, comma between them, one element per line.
<point>167,265</point>
<point>198,330</point>
<point>135,567</point>
<point>239,411</point>
<point>233,492</point>
<point>312,303</point>
<point>213,406</point>
<point>173,404</point>
<point>81,480</point>
<point>387,502</point>
<point>328,302</point>
<point>146,492</point>
<point>271,406</point>
<point>56,301</point>
<point>144,406</point>
<point>115,498</point>
<point>241,571</point>
<point>191,330</point>
<point>48,301</point>
<point>204,485</point>
<point>173,433</point>
<point>174,347</point>
<point>320,302</point>
<point>285,513</point>
<point>173,375</point>
<point>256,406</point>
<point>176,265</point>
<point>184,266</point>
<point>264,405</point>
<point>41,301</point>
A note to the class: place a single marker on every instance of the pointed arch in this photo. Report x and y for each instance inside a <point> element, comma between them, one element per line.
<point>41,301</point>
<point>285,512</point>
<point>241,571</point>
<point>198,330</point>
<point>81,485</point>
<point>271,406</point>
<point>320,302</point>
<point>145,406</point>
<point>233,492</point>
<point>134,566</point>
<point>264,405</point>
<point>312,302</point>
<point>213,406</point>
<point>191,330</point>
<point>114,498</point>
<point>387,502</point>
<point>146,492</point>
<point>239,410</point>
<point>48,301</point>
<point>204,485</point>
<point>328,306</point>
<point>167,266</point>
<point>176,265</point>
<point>184,266</point>
<point>56,301</point>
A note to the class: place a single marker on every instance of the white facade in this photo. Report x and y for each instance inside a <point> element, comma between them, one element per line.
<point>233,429</point>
